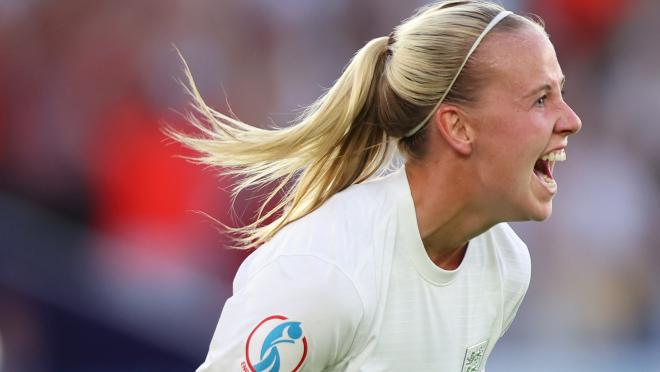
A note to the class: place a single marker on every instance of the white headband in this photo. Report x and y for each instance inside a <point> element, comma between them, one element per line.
<point>492,24</point>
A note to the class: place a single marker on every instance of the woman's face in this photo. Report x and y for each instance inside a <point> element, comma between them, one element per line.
<point>520,119</point>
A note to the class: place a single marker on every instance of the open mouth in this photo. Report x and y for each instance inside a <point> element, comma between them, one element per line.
<point>544,166</point>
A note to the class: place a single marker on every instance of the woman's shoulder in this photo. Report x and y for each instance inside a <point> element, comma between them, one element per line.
<point>507,243</point>
<point>346,232</point>
<point>510,255</point>
<point>348,221</point>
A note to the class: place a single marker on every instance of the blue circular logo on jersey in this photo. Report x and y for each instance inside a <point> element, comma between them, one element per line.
<point>276,344</point>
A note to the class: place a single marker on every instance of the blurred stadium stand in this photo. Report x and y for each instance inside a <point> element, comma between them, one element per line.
<point>104,266</point>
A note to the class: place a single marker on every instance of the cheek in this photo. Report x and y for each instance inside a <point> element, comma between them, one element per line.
<point>512,156</point>
<point>510,145</point>
<point>505,165</point>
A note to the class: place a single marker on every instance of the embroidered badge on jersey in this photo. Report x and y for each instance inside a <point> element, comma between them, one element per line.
<point>474,357</point>
<point>276,344</point>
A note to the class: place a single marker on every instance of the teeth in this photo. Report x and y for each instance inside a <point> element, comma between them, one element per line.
<point>549,180</point>
<point>559,155</point>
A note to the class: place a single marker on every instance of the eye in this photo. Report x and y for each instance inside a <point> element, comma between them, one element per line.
<point>541,101</point>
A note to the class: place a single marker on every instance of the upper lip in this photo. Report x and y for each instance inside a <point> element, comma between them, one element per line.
<point>553,150</point>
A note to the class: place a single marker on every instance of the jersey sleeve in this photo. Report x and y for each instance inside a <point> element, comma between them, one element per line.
<point>516,274</point>
<point>512,314</point>
<point>296,313</point>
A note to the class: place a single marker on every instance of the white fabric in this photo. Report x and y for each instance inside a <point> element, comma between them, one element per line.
<point>356,276</point>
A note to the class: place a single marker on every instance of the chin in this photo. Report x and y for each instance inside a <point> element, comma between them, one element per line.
<point>541,213</point>
<point>537,212</point>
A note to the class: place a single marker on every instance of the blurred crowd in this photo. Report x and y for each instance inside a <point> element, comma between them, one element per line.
<point>109,260</point>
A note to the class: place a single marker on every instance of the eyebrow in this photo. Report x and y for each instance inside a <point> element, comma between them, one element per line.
<point>545,87</point>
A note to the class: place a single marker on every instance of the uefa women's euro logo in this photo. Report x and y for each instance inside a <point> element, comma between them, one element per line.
<point>276,344</point>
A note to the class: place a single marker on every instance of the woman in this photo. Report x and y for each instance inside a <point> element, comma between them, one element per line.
<point>416,270</point>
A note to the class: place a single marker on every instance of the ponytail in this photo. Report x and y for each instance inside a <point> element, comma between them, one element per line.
<point>337,142</point>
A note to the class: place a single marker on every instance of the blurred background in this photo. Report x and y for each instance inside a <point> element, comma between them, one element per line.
<point>106,266</point>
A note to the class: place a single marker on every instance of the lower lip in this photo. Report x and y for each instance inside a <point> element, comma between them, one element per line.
<point>552,189</point>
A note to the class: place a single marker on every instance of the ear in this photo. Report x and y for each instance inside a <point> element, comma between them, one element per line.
<point>454,128</point>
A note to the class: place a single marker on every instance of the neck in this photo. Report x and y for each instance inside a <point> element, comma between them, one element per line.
<point>447,208</point>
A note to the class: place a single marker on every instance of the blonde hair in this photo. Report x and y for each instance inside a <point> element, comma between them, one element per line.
<point>389,87</point>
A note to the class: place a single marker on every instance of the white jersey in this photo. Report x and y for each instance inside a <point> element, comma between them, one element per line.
<point>350,287</point>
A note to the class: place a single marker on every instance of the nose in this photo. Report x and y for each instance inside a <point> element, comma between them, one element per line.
<point>569,123</point>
